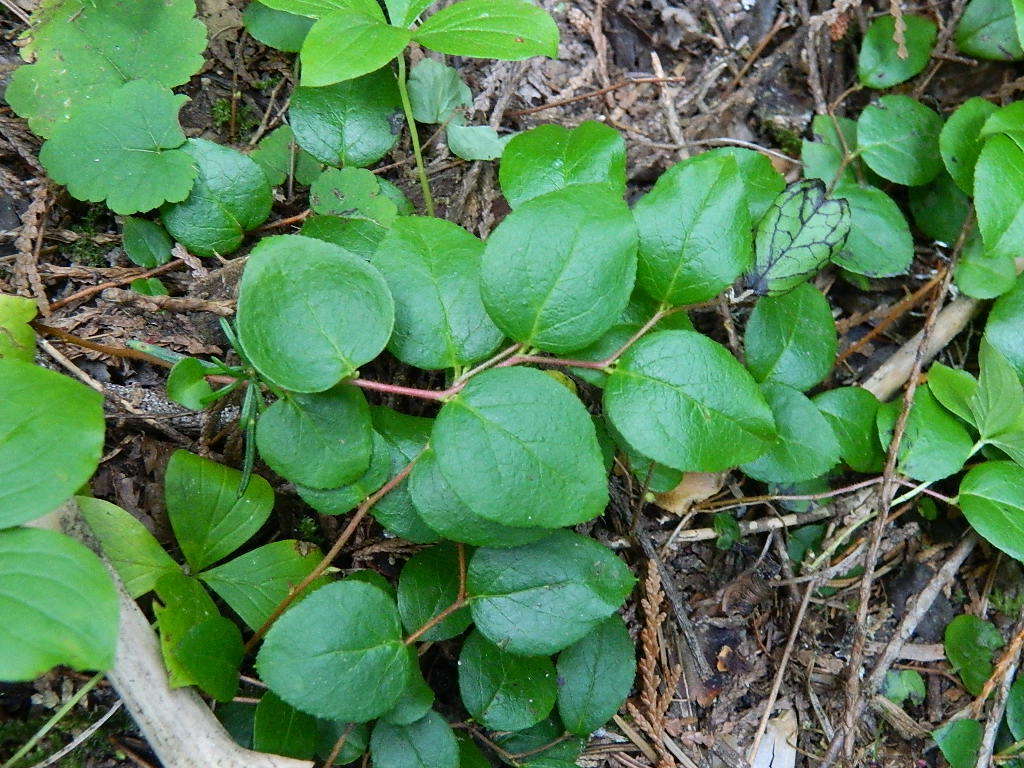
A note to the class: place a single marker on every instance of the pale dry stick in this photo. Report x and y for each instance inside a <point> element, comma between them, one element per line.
<point>995,715</point>
<point>598,92</point>
<point>769,705</point>
<point>85,293</point>
<point>17,11</point>
<point>666,99</point>
<point>81,738</point>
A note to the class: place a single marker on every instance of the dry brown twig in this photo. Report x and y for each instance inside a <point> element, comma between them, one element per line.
<point>28,244</point>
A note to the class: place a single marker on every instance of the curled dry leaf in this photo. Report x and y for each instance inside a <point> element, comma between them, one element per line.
<point>693,488</point>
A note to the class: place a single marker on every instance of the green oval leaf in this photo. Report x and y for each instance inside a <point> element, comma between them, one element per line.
<point>338,654</point>
<point>280,729</point>
<point>503,691</point>
<point>959,742</point>
<point>880,243</point>
<point>760,179</point>
<point>348,123</point>
<point>490,29</point>
<point>145,242</point>
<point>433,270</point>
<point>992,499</point>
<point>122,147</point>
<point>999,197</point>
<point>542,597</point>
<point>791,339</point>
<point>559,269</point>
<point>960,141</point>
<point>987,30</point>
<point>546,443</point>
<point>851,411</point>
<point>338,501</point>
<point>934,445</point>
<point>346,44</point>
<point>694,231</point>
<point>437,93</point>
<point>209,517</point>
<point>595,675</point>
<point>551,157</point>
<point>970,643</point>
<point>898,138</point>
<point>980,275</point>
<point>710,414</point>
<point>415,701</point>
<point>309,313</point>
<point>1004,329</point>
<point>17,337</point>
<point>58,603</point>
<point>406,438</point>
<point>880,64</point>
<point>428,584</point>
<point>280,157</point>
<point>278,29</point>
<point>939,208</point>
<point>427,743</point>
<point>51,439</point>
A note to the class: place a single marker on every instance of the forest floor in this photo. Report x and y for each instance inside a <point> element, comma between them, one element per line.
<point>675,79</point>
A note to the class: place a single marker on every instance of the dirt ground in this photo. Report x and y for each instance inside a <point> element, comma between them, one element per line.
<point>751,71</point>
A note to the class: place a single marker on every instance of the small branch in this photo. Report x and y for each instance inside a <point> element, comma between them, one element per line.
<point>124,352</point>
<point>460,601</point>
<point>396,389</point>
<point>332,553</point>
<point>995,715</point>
<point>288,221</point>
<point>598,92</point>
<point>85,293</point>
<point>338,745</point>
<point>718,506</point>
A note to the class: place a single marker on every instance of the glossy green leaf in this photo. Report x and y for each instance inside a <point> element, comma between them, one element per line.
<point>898,138</point>
<point>51,439</point>
<point>415,701</point>
<point>149,286</point>
<point>899,686</point>
<point>490,29</point>
<point>428,584</point>
<point>320,440</point>
<point>317,8</point>
<point>230,196</point>
<point>404,12</point>
<point>470,755</point>
<point>959,740</point>
<point>791,339</point>
<point>349,123</point>
<point>939,208</point>
<point>338,501</point>
<point>992,499</point>
<point>515,446</point>
<point>281,729</point>
<point>255,583</point>
<point>187,384</point>
<point>278,29</point>
<point>346,44</point>
<point>542,597</point>
<point>851,412</point>
<point>997,405</point>
<point>352,193</point>
<point>503,691</point>
<point>595,675</point>
<point>406,438</point>
<point>356,236</point>
<point>760,179</point>
<point>710,414</point>
<point>953,388</point>
<point>182,604</point>
<point>970,643</point>
<point>551,157</point>
<point>357,740</point>
<point>145,242</point>
<point>212,652</point>
<point>17,337</point>
<point>475,142</point>
<point>545,743</point>
<point>124,148</point>
<point>987,31</point>
<point>427,743</point>
<point>999,197</point>
<point>981,275</point>
<point>444,512</point>
<point>338,654</point>
<point>960,142</point>
<point>209,518</point>
<point>1005,326</point>
<point>879,243</point>
<point>437,93</point>
<point>309,313</point>
<point>806,447</point>
<point>834,137</point>
<point>934,445</point>
<point>880,64</point>
<point>83,50</point>
<point>650,474</point>
<point>133,551</point>
<point>694,231</point>
<point>433,270</point>
<point>559,269</point>
<point>1007,120</point>
<point>280,157</point>
<point>58,603</point>
<point>797,236</point>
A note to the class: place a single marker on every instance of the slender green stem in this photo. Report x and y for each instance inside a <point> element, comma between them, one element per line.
<point>428,199</point>
<point>39,735</point>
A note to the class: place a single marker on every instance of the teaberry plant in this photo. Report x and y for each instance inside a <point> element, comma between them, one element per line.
<point>572,281</point>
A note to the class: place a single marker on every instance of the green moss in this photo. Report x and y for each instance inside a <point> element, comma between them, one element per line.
<point>85,250</point>
<point>246,118</point>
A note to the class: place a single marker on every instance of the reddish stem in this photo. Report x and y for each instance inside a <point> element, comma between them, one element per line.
<point>395,389</point>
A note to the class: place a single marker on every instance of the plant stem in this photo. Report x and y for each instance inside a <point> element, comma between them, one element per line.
<point>428,200</point>
<point>396,389</point>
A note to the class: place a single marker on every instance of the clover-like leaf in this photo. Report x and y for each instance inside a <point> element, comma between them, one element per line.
<point>338,654</point>
<point>503,691</point>
<point>684,401</point>
<point>209,518</point>
<point>551,157</point>
<point>559,269</point>
<point>85,49</point>
<point>491,29</point>
<point>349,123</point>
<point>515,446</point>
<point>801,231</point>
<point>58,603</point>
<point>881,65</point>
<point>542,597</point>
<point>433,270</point>
<point>898,138</point>
<point>51,439</point>
<point>310,313</point>
<point>694,230</point>
<point>230,196</point>
<point>123,147</point>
